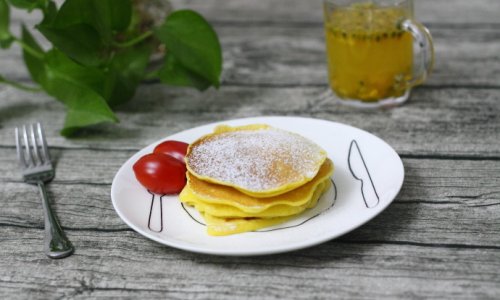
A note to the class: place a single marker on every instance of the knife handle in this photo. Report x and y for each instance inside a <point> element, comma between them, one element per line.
<point>369,196</point>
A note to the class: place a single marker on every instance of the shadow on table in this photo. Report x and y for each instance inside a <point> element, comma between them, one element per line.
<point>16,111</point>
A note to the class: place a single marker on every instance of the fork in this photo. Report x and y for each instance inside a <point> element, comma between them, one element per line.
<point>37,169</point>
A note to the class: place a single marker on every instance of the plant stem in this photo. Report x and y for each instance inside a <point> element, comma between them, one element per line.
<point>20,85</point>
<point>29,49</point>
<point>135,40</point>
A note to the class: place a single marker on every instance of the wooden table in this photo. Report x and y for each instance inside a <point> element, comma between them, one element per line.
<point>439,239</point>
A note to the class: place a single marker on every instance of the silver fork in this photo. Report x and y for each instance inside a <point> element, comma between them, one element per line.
<point>36,167</point>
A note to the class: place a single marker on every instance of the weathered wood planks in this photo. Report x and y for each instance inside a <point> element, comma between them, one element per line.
<point>440,122</point>
<point>442,201</point>
<point>281,55</point>
<point>122,264</point>
<point>299,11</point>
<point>439,239</point>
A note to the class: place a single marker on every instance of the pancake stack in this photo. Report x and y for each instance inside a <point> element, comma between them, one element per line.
<point>250,177</point>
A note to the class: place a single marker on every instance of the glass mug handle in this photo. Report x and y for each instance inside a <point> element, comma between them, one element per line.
<point>424,50</point>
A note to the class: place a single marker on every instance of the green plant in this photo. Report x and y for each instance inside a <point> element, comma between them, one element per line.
<point>100,53</point>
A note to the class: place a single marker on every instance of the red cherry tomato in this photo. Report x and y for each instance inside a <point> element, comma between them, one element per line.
<point>161,174</point>
<point>175,149</point>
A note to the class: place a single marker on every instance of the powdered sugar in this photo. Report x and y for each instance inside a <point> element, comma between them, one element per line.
<point>256,160</point>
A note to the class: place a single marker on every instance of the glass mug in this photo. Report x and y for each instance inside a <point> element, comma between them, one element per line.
<point>376,51</point>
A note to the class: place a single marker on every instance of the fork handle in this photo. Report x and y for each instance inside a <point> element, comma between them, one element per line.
<point>57,244</point>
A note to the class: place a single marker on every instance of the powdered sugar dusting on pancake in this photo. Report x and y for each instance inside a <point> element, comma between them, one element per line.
<point>256,160</point>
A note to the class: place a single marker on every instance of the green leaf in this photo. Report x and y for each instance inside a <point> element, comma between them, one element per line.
<point>35,65</point>
<point>117,14</point>
<point>77,12</point>
<point>77,119</point>
<point>74,12</point>
<point>126,71</point>
<point>83,29</point>
<point>50,13</point>
<point>74,85</point>
<point>4,44</point>
<point>174,73</point>
<point>81,42</point>
<point>103,15</point>
<point>28,4</point>
<point>91,77</point>
<point>194,44</point>
<point>5,36</point>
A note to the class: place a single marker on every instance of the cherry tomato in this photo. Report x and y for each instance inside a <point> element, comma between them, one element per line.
<point>161,174</point>
<point>175,149</point>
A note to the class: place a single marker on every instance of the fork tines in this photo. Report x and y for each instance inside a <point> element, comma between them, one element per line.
<point>31,146</point>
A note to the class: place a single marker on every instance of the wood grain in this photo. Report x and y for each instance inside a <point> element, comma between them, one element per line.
<point>440,203</point>
<point>123,264</point>
<point>298,11</point>
<point>290,12</point>
<point>454,122</point>
<point>441,229</point>
<point>439,239</point>
<point>265,55</point>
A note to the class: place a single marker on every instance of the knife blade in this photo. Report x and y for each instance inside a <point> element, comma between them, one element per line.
<point>360,172</point>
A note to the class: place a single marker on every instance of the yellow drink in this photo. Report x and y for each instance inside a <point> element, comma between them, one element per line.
<point>369,56</point>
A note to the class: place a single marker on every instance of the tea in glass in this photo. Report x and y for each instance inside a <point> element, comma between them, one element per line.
<point>369,50</point>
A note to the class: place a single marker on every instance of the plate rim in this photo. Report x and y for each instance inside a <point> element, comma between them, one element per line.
<point>267,251</point>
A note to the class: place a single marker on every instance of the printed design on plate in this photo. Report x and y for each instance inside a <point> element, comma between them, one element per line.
<point>359,170</point>
<point>158,210</point>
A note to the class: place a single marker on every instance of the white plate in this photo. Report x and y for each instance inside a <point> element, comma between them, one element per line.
<point>368,175</point>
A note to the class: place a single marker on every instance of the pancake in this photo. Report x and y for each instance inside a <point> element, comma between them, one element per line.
<point>224,201</point>
<point>257,160</point>
<point>220,227</point>
<point>228,211</point>
<point>225,226</point>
